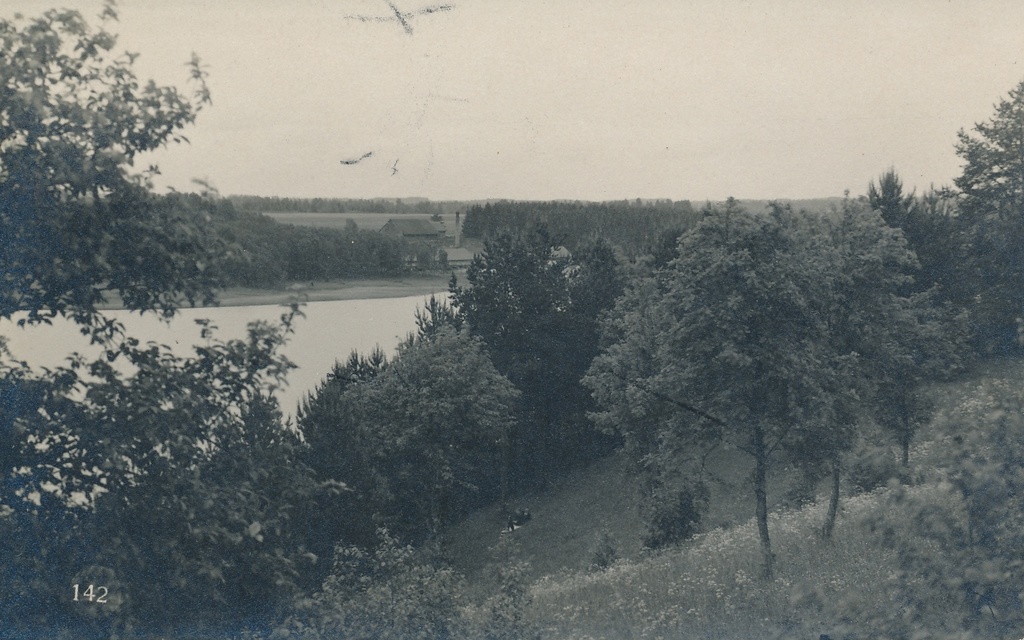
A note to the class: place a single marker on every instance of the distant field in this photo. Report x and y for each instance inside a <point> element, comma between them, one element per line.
<point>365,221</point>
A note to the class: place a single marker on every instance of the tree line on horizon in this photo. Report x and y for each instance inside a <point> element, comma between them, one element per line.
<point>259,251</point>
<point>279,204</point>
<point>148,494</point>
<point>263,252</point>
<point>633,227</point>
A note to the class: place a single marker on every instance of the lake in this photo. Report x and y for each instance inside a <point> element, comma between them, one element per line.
<point>329,332</point>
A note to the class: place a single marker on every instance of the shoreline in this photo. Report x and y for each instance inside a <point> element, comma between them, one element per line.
<point>327,291</point>
<point>351,289</point>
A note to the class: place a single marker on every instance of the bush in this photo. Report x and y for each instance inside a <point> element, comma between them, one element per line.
<point>675,516</point>
<point>873,467</point>
<point>505,611</point>
<point>604,552</point>
<point>392,593</point>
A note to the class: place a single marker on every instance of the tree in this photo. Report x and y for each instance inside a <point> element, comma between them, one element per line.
<point>758,334</point>
<point>435,316</point>
<point>417,442</point>
<point>926,333</point>
<point>632,333</point>
<point>76,223</point>
<point>443,412</point>
<point>888,199</point>
<point>516,302</point>
<point>180,483</point>
<point>873,328</point>
<point>340,444</point>
<point>992,208</point>
<point>169,481</point>
<point>937,236</point>
<point>992,182</point>
<point>536,308</point>
<point>741,351</point>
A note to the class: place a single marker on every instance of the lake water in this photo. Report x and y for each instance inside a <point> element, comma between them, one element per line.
<point>329,332</point>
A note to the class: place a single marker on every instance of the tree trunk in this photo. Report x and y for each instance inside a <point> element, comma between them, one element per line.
<point>905,445</point>
<point>506,456</point>
<point>833,502</point>
<point>761,496</point>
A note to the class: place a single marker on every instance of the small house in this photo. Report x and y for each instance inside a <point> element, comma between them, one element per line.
<point>459,257</point>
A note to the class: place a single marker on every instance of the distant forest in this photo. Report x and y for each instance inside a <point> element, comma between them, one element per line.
<point>275,204</point>
<point>261,252</point>
<point>635,227</point>
<point>268,253</point>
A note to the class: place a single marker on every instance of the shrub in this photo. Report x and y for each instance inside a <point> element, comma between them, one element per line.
<point>675,515</point>
<point>604,552</point>
<point>505,611</point>
<point>392,593</point>
<point>873,467</point>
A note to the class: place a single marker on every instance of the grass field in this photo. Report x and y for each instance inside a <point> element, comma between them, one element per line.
<point>710,586</point>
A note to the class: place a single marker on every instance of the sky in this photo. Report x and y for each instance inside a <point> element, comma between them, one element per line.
<point>572,99</point>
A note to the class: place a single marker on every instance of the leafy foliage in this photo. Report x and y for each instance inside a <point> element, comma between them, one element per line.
<point>965,550</point>
<point>536,310</point>
<point>674,517</point>
<point>418,440</point>
<point>75,223</point>
<point>170,481</point>
<point>443,411</point>
<point>506,610</point>
<point>768,333</point>
<point>182,485</point>
<point>392,593</point>
<point>890,201</point>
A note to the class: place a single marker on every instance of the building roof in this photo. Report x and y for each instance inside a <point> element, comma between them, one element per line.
<point>411,227</point>
<point>459,255</point>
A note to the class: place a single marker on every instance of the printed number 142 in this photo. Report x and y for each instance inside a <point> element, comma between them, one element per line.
<point>92,594</point>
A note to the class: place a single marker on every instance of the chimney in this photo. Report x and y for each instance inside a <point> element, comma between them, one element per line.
<point>458,231</point>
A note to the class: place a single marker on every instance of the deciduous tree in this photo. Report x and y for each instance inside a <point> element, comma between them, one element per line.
<point>417,441</point>
<point>536,308</point>
<point>169,481</point>
<point>758,333</point>
<point>77,222</point>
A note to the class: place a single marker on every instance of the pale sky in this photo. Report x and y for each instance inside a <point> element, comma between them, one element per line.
<point>578,99</point>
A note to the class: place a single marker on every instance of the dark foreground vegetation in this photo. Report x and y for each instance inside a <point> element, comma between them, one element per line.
<point>148,495</point>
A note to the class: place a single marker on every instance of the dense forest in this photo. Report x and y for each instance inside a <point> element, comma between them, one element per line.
<point>632,226</point>
<point>148,494</point>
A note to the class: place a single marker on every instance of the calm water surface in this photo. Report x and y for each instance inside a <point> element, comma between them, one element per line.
<point>329,332</point>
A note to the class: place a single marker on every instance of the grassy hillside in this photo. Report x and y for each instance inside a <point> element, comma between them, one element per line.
<point>569,518</point>
<point>710,587</point>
